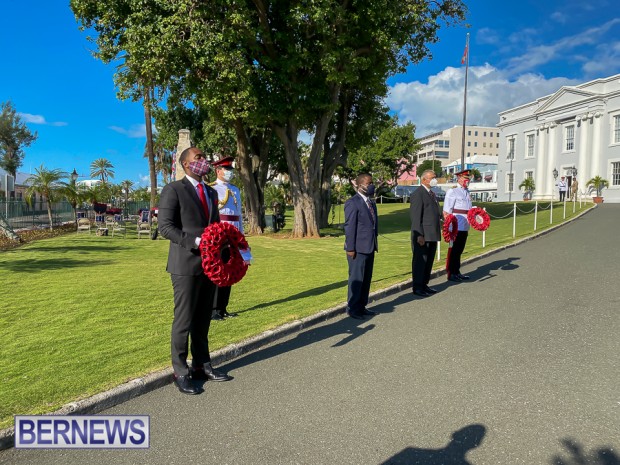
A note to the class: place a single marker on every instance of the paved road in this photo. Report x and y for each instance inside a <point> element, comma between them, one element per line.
<point>519,366</point>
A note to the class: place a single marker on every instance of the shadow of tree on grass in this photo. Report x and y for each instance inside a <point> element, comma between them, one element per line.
<point>37,266</point>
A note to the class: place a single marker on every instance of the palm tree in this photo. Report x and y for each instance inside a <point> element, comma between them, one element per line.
<point>598,183</point>
<point>47,184</point>
<point>127,187</point>
<point>528,187</point>
<point>102,168</point>
<point>74,195</point>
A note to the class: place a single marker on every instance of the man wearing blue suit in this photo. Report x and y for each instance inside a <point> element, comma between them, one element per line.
<point>360,230</point>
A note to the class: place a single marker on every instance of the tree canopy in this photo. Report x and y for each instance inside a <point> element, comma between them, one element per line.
<point>14,136</point>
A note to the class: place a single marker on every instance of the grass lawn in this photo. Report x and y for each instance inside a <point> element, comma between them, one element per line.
<point>81,313</point>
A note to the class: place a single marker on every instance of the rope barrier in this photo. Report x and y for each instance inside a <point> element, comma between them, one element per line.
<point>526,212</point>
<point>501,217</point>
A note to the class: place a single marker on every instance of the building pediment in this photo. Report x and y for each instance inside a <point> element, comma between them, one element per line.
<point>566,96</point>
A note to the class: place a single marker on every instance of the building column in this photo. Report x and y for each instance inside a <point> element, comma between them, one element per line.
<point>596,153</point>
<point>539,178</point>
<point>582,166</point>
<point>550,182</point>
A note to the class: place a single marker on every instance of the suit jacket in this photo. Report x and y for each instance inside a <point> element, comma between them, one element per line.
<point>425,216</point>
<point>360,231</point>
<point>182,219</point>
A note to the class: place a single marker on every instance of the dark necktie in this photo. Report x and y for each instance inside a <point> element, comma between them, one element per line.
<point>372,210</point>
<point>433,196</point>
<point>203,199</point>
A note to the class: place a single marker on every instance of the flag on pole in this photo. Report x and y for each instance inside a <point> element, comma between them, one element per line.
<point>464,59</point>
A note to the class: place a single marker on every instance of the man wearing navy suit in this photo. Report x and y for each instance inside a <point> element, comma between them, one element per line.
<point>425,232</point>
<point>186,208</point>
<point>360,230</point>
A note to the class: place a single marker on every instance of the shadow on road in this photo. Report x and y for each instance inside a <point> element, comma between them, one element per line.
<point>486,271</point>
<point>347,327</point>
<point>578,456</point>
<point>462,441</point>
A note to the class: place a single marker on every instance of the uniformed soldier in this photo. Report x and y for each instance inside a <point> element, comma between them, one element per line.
<point>458,203</point>
<point>229,204</point>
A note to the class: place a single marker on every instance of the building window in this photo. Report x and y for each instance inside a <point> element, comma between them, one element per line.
<point>498,134</point>
<point>529,174</point>
<point>497,145</point>
<point>569,145</point>
<point>475,133</point>
<point>446,143</point>
<point>475,144</point>
<point>510,181</point>
<point>511,149</point>
<point>617,129</point>
<point>468,143</point>
<point>484,133</point>
<point>469,133</point>
<point>468,154</point>
<point>615,173</point>
<point>530,146</point>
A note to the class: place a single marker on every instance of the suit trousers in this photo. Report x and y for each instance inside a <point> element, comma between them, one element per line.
<point>193,298</point>
<point>360,276</point>
<point>221,298</point>
<point>422,264</point>
<point>458,246</point>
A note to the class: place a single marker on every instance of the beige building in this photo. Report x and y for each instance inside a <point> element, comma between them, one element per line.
<point>445,146</point>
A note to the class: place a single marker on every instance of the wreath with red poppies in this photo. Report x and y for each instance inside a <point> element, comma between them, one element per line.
<point>216,238</point>
<point>478,219</point>
<point>450,228</point>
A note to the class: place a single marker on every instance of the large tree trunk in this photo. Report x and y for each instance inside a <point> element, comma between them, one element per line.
<point>254,208</point>
<point>149,147</point>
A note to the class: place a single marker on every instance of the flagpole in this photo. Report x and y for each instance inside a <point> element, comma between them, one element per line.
<point>466,59</point>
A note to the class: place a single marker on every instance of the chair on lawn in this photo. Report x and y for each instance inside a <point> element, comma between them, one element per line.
<point>100,223</point>
<point>109,221</point>
<point>119,228</point>
<point>83,225</point>
<point>144,228</point>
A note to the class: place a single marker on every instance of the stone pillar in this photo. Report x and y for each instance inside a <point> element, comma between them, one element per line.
<point>550,183</point>
<point>582,165</point>
<point>539,175</point>
<point>184,143</point>
<point>596,154</point>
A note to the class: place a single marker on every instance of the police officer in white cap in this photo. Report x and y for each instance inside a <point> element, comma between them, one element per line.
<point>458,203</point>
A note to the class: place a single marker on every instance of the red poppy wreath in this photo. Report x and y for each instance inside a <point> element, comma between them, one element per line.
<point>450,228</point>
<point>478,219</point>
<point>216,238</point>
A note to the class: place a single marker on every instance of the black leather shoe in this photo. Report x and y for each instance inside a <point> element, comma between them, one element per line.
<point>430,290</point>
<point>421,293</point>
<point>217,317</point>
<point>213,375</point>
<point>225,314</point>
<point>455,278</point>
<point>184,383</point>
<point>369,312</point>
<point>356,316</point>
<point>463,276</point>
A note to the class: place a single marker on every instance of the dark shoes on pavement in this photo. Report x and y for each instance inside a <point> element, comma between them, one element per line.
<point>369,312</point>
<point>185,385</point>
<point>208,373</point>
<point>222,315</point>
<point>458,277</point>
<point>421,293</point>
<point>356,316</point>
<point>430,290</point>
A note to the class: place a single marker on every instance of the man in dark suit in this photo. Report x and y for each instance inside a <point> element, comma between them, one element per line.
<point>360,230</point>
<point>186,207</point>
<point>425,232</point>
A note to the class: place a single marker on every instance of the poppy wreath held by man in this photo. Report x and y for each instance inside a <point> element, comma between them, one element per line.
<point>216,238</point>
<point>478,219</point>
<point>450,228</point>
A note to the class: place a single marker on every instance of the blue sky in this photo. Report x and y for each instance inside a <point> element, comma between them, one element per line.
<point>519,51</point>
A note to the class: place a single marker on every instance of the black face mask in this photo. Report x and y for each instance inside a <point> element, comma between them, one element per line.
<point>368,191</point>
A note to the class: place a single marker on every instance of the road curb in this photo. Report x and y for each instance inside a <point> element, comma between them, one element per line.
<point>152,381</point>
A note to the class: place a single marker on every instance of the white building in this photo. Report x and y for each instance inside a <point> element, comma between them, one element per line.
<point>574,132</point>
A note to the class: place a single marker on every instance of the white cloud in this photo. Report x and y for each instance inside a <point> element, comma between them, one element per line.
<point>134,131</point>
<point>39,119</point>
<point>559,16</point>
<point>438,104</point>
<point>144,179</point>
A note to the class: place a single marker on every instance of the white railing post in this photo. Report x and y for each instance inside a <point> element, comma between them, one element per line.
<point>574,202</point>
<point>439,250</point>
<point>484,234</point>
<point>535,214</point>
<point>514,221</point>
<point>564,209</point>
<point>551,212</point>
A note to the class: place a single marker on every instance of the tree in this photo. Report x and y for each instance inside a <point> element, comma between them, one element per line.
<point>433,165</point>
<point>598,184</point>
<point>528,185</point>
<point>14,136</point>
<point>46,183</point>
<point>127,188</point>
<point>103,169</point>
<point>389,156</point>
<point>263,68</point>
<point>74,194</point>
